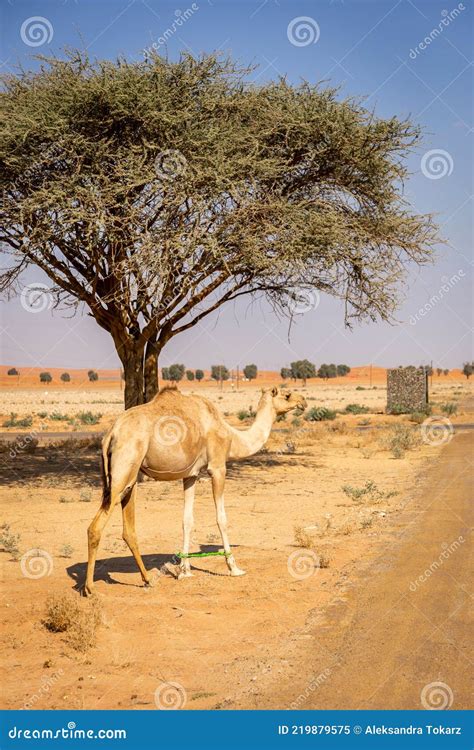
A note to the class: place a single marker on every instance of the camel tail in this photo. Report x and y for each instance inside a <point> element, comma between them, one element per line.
<point>105,470</point>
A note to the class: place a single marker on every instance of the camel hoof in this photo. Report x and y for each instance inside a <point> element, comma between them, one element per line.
<point>88,590</point>
<point>185,574</point>
<point>237,572</point>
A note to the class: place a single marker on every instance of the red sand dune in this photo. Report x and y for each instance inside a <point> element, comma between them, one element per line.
<point>29,377</point>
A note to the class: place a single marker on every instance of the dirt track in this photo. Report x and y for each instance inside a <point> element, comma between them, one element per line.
<point>396,634</point>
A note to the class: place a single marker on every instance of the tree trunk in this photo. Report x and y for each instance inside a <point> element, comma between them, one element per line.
<point>132,360</point>
<point>150,370</point>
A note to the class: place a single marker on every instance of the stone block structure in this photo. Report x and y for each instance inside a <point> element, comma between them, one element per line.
<point>407,389</point>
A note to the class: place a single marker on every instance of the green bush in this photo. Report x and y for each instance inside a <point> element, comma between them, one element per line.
<point>319,414</point>
<point>418,417</point>
<point>14,422</point>
<point>449,408</point>
<point>369,491</point>
<point>56,416</point>
<point>87,417</point>
<point>402,438</point>
<point>246,414</point>
<point>356,409</point>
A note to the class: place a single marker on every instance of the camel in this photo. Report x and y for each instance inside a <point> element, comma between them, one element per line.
<point>171,437</point>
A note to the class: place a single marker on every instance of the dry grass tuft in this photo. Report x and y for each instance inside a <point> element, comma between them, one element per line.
<point>402,438</point>
<point>78,619</point>
<point>302,538</point>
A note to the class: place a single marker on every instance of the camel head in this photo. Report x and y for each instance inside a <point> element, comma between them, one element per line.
<point>285,401</point>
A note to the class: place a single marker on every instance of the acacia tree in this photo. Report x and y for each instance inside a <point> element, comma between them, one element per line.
<point>153,192</point>
<point>250,372</point>
<point>303,369</point>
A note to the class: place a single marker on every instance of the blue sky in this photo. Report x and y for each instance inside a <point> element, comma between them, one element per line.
<point>374,50</point>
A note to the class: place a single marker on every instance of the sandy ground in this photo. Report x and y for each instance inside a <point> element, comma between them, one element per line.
<point>226,642</point>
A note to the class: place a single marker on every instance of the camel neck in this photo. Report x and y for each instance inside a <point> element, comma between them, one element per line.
<point>247,442</point>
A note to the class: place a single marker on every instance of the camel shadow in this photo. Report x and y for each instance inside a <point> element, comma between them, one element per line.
<point>109,565</point>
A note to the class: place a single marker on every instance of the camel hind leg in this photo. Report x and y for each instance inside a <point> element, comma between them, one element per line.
<point>129,534</point>
<point>116,485</point>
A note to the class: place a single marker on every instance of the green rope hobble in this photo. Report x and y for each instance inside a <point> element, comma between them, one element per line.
<point>182,556</point>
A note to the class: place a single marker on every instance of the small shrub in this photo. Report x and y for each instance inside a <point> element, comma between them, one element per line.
<point>296,422</point>
<point>85,496</point>
<point>417,417</point>
<point>246,414</point>
<point>77,619</point>
<point>56,416</point>
<point>319,414</point>
<point>360,388</point>
<point>9,541</point>
<point>14,422</point>
<point>42,414</point>
<point>400,439</point>
<point>366,523</point>
<point>356,409</point>
<point>450,408</point>
<point>324,561</point>
<point>66,550</point>
<point>65,499</point>
<point>281,418</point>
<point>302,538</point>
<point>369,491</point>
<point>87,417</point>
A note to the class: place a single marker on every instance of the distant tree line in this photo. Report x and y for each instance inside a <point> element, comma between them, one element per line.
<point>303,369</point>
<point>177,372</point>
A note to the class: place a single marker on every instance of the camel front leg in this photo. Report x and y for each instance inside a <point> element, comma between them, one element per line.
<point>189,485</point>
<point>218,481</point>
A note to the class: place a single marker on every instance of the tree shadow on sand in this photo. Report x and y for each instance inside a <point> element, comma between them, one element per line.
<point>54,465</point>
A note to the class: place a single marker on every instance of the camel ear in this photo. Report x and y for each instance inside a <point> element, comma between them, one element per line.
<point>274,391</point>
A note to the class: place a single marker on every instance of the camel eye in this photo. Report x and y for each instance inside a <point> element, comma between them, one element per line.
<point>288,396</point>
